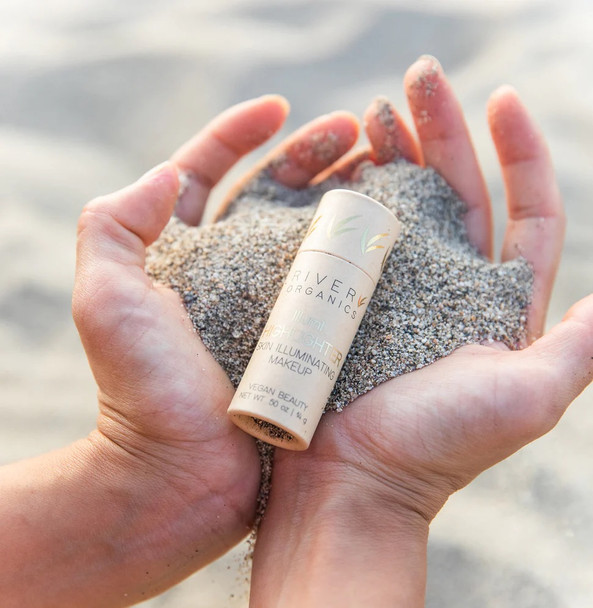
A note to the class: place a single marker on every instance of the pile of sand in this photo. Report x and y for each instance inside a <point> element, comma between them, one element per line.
<point>436,292</point>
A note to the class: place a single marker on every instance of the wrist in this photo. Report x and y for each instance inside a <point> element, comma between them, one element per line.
<point>225,470</point>
<point>334,538</point>
<point>193,504</point>
<point>93,525</point>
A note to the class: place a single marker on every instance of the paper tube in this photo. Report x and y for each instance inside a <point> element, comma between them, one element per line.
<point>302,348</point>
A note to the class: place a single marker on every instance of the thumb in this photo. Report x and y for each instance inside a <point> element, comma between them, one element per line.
<point>118,227</point>
<point>113,233</point>
<point>563,360</point>
<point>568,349</point>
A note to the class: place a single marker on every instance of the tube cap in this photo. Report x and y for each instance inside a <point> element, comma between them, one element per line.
<point>353,227</point>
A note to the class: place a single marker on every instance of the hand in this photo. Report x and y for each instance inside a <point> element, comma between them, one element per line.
<point>347,520</point>
<point>165,483</point>
<point>162,397</point>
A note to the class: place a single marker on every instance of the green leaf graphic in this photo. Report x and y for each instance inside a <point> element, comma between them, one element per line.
<point>340,227</point>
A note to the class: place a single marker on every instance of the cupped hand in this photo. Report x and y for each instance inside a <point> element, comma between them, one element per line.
<point>162,396</point>
<point>407,445</point>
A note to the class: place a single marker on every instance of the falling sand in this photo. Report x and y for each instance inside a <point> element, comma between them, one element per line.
<point>436,293</point>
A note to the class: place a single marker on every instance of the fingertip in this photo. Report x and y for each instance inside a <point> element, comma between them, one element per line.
<point>377,118</point>
<point>503,101</point>
<point>330,136</point>
<point>569,345</point>
<point>273,109</point>
<point>374,109</point>
<point>164,175</point>
<point>582,311</point>
<point>430,59</point>
<point>144,207</point>
<point>388,134</point>
<point>347,123</point>
<point>347,128</point>
<point>312,149</point>
<point>278,101</point>
<point>504,91</point>
<point>434,106</point>
<point>161,183</point>
<point>422,76</point>
<point>515,134</point>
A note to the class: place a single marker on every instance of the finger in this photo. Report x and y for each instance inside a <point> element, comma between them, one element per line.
<point>388,134</point>
<point>304,154</point>
<point>312,149</point>
<point>113,233</point>
<point>564,359</point>
<point>117,308</point>
<point>447,147</point>
<point>389,137</point>
<point>536,222</point>
<point>118,227</point>
<point>345,168</point>
<point>211,153</point>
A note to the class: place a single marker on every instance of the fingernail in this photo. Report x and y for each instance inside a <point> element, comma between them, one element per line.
<point>191,197</point>
<point>435,63</point>
<point>184,179</point>
<point>426,76</point>
<point>381,100</point>
<point>384,111</point>
<point>506,89</point>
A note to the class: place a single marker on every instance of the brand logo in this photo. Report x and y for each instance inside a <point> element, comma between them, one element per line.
<point>327,288</point>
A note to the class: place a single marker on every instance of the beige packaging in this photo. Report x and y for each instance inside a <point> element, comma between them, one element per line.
<point>302,348</point>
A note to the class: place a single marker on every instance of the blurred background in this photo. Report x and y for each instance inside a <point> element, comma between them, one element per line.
<point>93,93</point>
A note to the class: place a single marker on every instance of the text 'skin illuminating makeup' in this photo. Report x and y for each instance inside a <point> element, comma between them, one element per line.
<point>303,346</point>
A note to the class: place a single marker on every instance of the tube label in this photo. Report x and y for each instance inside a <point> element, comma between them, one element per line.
<point>304,343</point>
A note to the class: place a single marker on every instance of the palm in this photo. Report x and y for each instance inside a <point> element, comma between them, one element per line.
<point>172,388</point>
<point>440,426</point>
<point>453,418</point>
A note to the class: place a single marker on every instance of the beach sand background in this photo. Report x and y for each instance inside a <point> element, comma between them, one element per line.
<point>93,94</point>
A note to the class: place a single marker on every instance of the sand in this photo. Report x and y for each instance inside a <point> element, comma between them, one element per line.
<point>95,93</point>
<point>436,292</point>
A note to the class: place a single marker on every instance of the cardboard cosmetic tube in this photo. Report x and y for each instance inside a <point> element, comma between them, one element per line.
<point>304,344</point>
